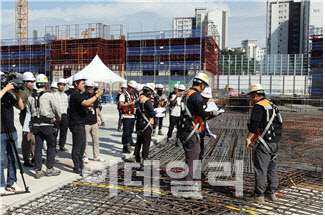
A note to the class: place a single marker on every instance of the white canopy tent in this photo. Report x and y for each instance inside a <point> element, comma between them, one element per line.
<point>99,72</point>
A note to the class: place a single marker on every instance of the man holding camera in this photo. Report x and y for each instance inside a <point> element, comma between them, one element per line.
<point>77,106</point>
<point>7,127</point>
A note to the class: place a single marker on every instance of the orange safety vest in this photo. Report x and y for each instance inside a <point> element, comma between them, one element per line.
<point>143,100</point>
<point>161,100</point>
<point>197,118</point>
<point>266,104</point>
<point>129,111</point>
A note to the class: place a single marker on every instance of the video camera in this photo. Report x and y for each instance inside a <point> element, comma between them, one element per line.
<point>8,77</point>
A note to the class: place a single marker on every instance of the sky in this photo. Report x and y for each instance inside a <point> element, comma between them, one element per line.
<point>246,18</point>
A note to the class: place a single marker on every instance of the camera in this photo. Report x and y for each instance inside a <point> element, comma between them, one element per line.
<point>9,77</point>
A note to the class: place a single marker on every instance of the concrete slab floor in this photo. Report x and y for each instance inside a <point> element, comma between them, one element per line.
<point>110,149</point>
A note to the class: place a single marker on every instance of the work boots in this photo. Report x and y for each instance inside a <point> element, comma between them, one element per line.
<point>160,133</point>
<point>257,199</point>
<point>126,150</point>
<point>271,196</point>
<point>153,132</point>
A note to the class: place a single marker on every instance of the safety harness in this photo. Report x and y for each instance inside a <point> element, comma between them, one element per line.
<point>129,111</point>
<point>268,131</point>
<point>140,106</point>
<point>39,118</point>
<point>197,122</point>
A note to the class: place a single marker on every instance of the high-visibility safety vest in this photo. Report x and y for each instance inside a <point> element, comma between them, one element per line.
<point>197,119</point>
<point>129,111</point>
<point>274,130</point>
<point>161,100</point>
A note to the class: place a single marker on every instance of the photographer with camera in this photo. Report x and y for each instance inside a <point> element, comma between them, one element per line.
<point>44,109</point>
<point>7,128</point>
<point>78,105</point>
<point>28,141</point>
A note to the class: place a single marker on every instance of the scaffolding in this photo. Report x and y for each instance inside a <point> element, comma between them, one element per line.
<point>21,55</point>
<point>72,47</point>
<point>162,56</point>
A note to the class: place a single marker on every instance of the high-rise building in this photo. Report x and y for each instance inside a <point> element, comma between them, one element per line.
<point>288,22</point>
<point>203,20</point>
<point>248,47</point>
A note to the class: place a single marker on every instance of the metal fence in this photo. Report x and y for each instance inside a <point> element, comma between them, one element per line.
<point>269,64</point>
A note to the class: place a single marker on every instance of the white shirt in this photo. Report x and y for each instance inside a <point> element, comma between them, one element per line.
<point>122,99</point>
<point>176,109</point>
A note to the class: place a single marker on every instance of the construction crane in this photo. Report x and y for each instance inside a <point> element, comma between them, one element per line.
<point>21,17</point>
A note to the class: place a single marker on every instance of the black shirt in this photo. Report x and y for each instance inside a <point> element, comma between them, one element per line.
<point>196,105</point>
<point>148,111</point>
<point>257,118</point>
<point>91,113</point>
<point>77,111</point>
<point>68,92</point>
<point>7,103</point>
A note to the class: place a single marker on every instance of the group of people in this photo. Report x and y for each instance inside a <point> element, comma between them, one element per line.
<point>78,109</point>
<point>50,113</point>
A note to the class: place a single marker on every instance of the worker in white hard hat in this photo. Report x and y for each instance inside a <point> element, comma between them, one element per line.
<point>144,116</point>
<point>92,123</point>
<point>265,128</point>
<point>175,110</point>
<point>119,108</point>
<point>70,87</point>
<point>54,86</point>
<point>206,96</point>
<point>77,106</point>
<point>127,103</point>
<point>162,103</point>
<point>62,125</point>
<point>44,110</point>
<point>28,140</point>
<point>191,123</point>
<point>34,87</point>
<point>8,101</point>
<point>176,86</point>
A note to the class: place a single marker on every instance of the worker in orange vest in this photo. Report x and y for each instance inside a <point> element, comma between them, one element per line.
<point>126,103</point>
<point>190,125</point>
<point>265,130</point>
<point>144,116</point>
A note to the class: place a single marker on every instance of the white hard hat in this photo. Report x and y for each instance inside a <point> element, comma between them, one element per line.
<point>89,83</point>
<point>70,84</point>
<point>176,86</point>
<point>96,84</point>
<point>54,84</point>
<point>124,85</point>
<point>41,78</point>
<point>133,84</point>
<point>149,86</point>
<point>78,77</point>
<point>28,76</point>
<point>62,81</point>
<point>139,87</point>
<point>34,86</point>
<point>181,87</point>
<point>153,84</point>
<point>201,77</point>
<point>160,86</point>
<point>258,88</point>
<point>206,93</point>
<point>1,73</point>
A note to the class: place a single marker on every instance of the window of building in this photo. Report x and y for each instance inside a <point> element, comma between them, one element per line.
<point>280,23</point>
<point>285,11</point>
<point>66,73</point>
<point>280,6</point>
<point>285,17</point>
<point>280,17</point>
<point>280,12</point>
<point>285,5</point>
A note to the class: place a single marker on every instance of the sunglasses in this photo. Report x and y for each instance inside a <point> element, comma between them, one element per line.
<point>62,84</point>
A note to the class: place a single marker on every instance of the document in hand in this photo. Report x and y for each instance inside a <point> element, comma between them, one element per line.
<point>211,107</point>
<point>161,112</point>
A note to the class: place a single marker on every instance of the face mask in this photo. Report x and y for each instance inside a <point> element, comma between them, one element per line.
<point>159,92</point>
<point>148,94</point>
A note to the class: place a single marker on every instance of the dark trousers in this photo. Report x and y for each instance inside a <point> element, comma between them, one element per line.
<point>192,151</point>
<point>172,124</point>
<point>128,126</point>
<point>143,138</point>
<point>62,127</point>
<point>160,119</point>
<point>44,133</point>
<point>119,119</point>
<point>265,169</point>
<point>78,144</point>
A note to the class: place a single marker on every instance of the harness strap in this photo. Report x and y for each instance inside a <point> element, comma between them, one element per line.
<point>145,118</point>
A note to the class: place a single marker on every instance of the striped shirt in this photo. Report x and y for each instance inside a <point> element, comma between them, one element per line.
<point>62,98</point>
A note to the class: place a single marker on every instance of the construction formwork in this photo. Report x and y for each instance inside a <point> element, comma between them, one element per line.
<point>316,62</point>
<point>21,55</point>
<point>163,56</point>
<point>73,47</point>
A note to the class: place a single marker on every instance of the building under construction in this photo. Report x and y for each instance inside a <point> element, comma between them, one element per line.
<point>164,56</point>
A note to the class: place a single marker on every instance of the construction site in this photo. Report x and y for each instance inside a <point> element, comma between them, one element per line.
<point>294,84</point>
